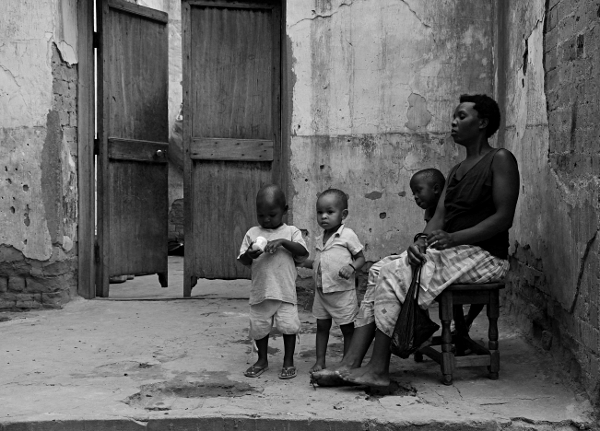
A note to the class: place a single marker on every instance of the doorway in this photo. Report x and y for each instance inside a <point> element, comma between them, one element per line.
<point>133,145</point>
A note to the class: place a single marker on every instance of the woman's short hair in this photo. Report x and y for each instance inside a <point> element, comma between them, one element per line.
<point>487,108</point>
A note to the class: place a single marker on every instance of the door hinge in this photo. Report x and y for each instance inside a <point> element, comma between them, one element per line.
<point>96,147</point>
<point>96,40</point>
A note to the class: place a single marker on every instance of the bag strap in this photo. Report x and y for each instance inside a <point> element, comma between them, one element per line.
<point>417,282</point>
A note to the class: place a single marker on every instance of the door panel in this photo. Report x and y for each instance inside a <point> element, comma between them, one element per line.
<point>133,136</point>
<point>231,128</point>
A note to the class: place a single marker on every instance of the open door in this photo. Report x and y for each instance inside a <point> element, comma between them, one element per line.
<point>132,176</point>
<point>231,127</point>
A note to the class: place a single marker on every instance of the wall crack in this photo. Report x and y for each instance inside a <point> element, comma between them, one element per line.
<point>584,259</point>
<point>321,15</point>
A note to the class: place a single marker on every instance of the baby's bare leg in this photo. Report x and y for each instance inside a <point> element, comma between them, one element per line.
<point>347,331</point>
<point>323,328</point>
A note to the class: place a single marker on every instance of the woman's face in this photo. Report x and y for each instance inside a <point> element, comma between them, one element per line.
<point>466,124</point>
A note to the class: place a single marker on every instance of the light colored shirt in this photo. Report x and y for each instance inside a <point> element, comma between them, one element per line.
<point>274,275</point>
<point>332,256</point>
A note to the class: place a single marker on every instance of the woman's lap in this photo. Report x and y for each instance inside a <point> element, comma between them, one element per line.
<point>390,279</point>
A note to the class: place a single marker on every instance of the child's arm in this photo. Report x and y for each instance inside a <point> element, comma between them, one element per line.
<point>358,262</point>
<point>293,247</point>
<point>308,263</point>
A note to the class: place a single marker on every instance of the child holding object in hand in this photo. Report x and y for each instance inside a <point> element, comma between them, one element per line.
<point>273,294</point>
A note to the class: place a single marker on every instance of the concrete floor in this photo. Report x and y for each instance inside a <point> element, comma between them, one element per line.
<point>177,364</point>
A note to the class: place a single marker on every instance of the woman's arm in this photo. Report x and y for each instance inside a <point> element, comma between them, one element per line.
<point>505,193</point>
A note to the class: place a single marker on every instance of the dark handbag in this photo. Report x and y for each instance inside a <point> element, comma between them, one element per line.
<point>413,326</point>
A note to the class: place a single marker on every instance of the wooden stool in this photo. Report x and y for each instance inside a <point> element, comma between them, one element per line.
<point>459,294</point>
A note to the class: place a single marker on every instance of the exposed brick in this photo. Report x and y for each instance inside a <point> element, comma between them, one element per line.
<point>53,300</point>
<point>3,284</point>
<point>30,304</point>
<point>60,87</point>
<point>6,304</point>
<point>16,284</point>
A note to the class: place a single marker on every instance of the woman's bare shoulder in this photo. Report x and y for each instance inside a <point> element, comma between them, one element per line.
<point>504,159</point>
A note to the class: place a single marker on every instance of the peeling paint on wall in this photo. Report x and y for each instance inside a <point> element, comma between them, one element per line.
<point>38,135</point>
<point>375,86</point>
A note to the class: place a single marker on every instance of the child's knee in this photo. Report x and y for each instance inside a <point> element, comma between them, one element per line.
<point>324,325</point>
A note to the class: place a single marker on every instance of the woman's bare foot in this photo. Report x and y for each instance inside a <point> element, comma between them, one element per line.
<point>328,378</point>
<point>319,366</point>
<point>367,376</point>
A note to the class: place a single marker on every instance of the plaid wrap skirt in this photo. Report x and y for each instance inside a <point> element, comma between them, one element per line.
<point>389,280</point>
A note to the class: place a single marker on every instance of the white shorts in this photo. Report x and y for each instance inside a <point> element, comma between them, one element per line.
<point>342,307</point>
<point>273,313</point>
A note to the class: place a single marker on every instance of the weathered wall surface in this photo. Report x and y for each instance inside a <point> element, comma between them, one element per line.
<point>38,138</point>
<point>374,87</point>
<point>551,90</point>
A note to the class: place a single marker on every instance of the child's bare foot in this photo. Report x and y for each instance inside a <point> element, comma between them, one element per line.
<point>367,376</point>
<point>319,366</point>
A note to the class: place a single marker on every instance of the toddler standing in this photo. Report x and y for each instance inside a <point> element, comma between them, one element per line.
<point>273,293</point>
<point>338,256</point>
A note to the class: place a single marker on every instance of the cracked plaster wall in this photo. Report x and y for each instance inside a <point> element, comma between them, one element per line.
<point>374,87</point>
<point>38,137</point>
<point>552,97</point>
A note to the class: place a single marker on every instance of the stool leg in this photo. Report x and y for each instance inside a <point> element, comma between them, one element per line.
<point>493,311</point>
<point>446,305</point>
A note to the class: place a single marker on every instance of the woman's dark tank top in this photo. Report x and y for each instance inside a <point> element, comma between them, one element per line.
<point>469,201</point>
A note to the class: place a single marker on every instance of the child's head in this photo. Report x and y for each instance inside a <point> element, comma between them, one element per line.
<point>332,208</point>
<point>271,206</point>
<point>427,186</point>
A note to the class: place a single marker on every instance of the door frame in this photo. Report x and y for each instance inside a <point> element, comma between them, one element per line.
<point>86,113</point>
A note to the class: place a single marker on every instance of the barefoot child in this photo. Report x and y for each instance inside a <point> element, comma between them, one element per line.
<point>339,255</point>
<point>273,293</point>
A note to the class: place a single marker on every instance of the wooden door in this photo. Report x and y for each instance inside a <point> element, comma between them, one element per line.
<point>231,128</point>
<point>133,141</point>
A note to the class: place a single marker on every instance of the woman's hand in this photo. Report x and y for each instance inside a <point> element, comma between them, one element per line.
<point>416,252</point>
<point>440,240</point>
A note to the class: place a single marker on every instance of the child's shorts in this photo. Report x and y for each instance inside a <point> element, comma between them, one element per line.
<point>342,307</point>
<point>273,313</point>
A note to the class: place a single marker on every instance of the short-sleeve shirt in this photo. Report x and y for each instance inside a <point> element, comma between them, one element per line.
<point>274,275</point>
<point>332,256</point>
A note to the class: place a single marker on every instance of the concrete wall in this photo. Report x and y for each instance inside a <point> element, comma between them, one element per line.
<point>374,87</point>
<point>38,137</point>
<point>549,82</point>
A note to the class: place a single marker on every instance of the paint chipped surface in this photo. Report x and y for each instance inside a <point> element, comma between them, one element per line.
<point>375,86</point>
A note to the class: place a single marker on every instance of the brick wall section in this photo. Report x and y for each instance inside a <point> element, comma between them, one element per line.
<point>555,270</point>
<point>572,72</point>
<point>33,284</point>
